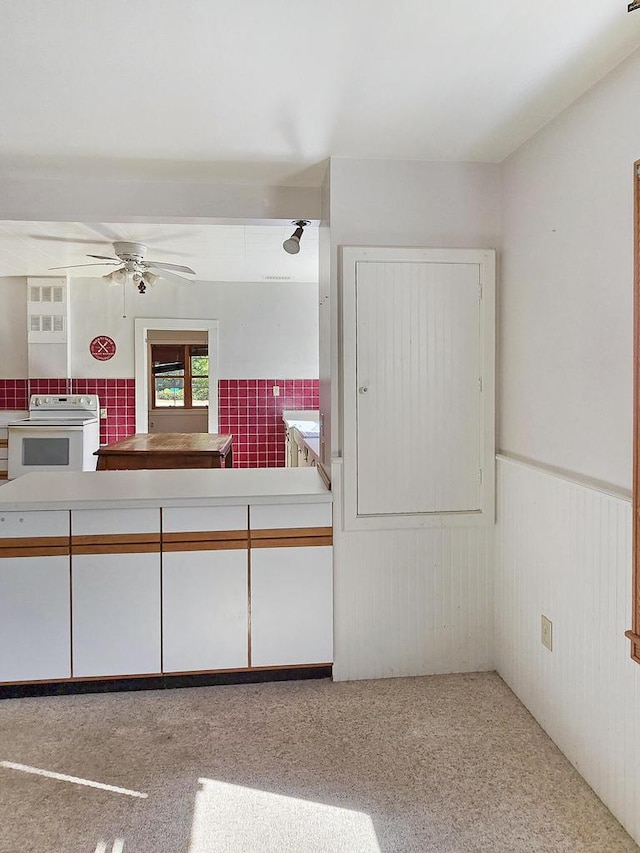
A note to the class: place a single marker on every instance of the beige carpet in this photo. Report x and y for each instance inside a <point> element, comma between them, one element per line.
<point>447,763</point>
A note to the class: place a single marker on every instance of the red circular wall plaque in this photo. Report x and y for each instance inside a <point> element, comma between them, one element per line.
<point>102,348</point>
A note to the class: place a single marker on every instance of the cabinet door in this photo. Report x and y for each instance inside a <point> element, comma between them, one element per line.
<point>204,610</point>
<point>291,606</point>
<point>35,633</point>
<point>116,614</point>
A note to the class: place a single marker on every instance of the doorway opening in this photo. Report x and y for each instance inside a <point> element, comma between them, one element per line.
<point>176,375</point>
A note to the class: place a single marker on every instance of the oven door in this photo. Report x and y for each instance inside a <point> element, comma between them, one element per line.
<point>44,448</point>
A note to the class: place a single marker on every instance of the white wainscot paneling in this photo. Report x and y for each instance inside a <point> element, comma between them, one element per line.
<point>564,550</point>
<point>412,602</point>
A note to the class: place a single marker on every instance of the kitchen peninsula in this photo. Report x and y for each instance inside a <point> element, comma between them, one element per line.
<point>130,579</point>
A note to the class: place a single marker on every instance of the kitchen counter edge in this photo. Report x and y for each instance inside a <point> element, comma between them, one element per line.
<point>162,488</point>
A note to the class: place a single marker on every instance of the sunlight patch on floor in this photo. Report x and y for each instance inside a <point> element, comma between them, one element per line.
<point>49,774</point>
<point>234,819</point>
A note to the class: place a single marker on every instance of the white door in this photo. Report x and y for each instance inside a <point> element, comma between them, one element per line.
<point>116,614</point>
<point>291,606</point>
<point>35,632</point>
<point>418,387</point>
<point>204,610</point>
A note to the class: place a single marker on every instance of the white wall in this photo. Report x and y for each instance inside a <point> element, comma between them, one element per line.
<point>567,275</point>
<point>92,198</point>
<point>564,550</point>
<point>407,602</point>
<point>13,328</point>
<point>565,400</point>
<point>267,330</point>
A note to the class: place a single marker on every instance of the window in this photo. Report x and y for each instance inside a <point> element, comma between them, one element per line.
<point>179,376</point>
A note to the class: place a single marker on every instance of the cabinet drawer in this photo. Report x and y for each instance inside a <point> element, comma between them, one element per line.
<point>203,518</point>
<point>26,525</point>
<point>284,516</point>
<point>97,522</point>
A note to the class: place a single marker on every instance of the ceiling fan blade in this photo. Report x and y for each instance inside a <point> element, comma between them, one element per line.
<point>79,240</point>
<point>75,266</point>
<point>105,258</point>
<point>170,276</point>
<point>162,266</point>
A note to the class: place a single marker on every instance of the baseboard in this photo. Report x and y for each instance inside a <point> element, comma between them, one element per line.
<point>162,682</point>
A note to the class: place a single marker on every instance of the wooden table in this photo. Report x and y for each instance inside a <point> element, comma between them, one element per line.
<point>167,450</point>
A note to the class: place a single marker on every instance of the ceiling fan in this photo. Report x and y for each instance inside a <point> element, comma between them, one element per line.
<point>130,260</point>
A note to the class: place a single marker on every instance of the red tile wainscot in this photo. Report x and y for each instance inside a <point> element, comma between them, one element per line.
<point>118,397</point>
<point>249,411</point>
<point>246,408</point>
<point>14,394</point>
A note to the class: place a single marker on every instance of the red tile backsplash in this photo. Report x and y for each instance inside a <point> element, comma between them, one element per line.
<point>249,411</point>
<point>246,408</point>
<point>14,394</point>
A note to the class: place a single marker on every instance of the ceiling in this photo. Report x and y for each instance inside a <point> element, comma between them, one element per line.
<point>264,92</point>
<point>216,252</point>
<point>267,90</point>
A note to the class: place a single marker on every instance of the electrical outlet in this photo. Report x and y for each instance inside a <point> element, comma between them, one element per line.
<point>546,636</point>
<point>275,390</point>
<point>103,414</point>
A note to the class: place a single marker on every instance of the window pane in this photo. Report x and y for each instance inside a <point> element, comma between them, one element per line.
<point>200,391</point>
<point>199,364</point>
<point>169,391</point>
<point>167,359</point>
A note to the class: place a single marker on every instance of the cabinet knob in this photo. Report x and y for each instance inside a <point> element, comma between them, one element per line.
<point>363,389</point>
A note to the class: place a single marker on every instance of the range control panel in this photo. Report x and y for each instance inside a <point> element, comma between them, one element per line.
<point>66,403</point>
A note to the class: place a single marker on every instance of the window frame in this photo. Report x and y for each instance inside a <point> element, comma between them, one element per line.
<point>187,379</point>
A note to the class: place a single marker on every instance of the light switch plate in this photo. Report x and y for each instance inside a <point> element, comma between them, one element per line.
<point>546,636</point>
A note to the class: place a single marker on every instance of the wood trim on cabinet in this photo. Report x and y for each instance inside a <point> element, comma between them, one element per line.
<point>248,597</point>
<point>207,545</point>
<point>114,539</point>
<point>117,548</point>
<point>36,551</point>
<point>206,536</point>
<point>33,541</point>
<point>634,634</point>
<point>290,532</point>
<point>293,542</point>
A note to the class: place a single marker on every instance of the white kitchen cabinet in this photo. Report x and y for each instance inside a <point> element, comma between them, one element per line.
<point>35,635</point>
<point>35,629</point>
<point>291,606</point>
<point>204,610</point>
<point>116,614</point>
<point>283,516</point>
<point>115,572</point>
<point>205,588</point>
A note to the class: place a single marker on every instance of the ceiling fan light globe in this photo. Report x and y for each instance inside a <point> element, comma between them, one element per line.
<point>150,278</point>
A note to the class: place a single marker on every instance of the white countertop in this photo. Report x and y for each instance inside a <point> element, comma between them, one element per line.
<point>306,422</point>
<point>175,487</point>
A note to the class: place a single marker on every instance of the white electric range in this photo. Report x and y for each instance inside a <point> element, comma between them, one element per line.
<point>61,434</point>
